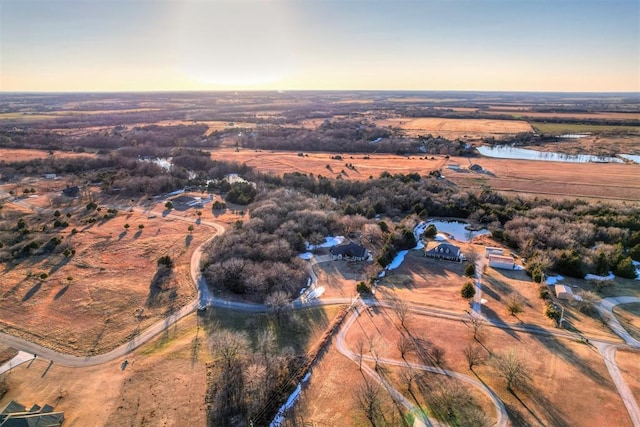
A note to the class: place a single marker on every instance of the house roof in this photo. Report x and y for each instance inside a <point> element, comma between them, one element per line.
<point>563,289</point>
<point>445,249</point>
<point>350,249</point>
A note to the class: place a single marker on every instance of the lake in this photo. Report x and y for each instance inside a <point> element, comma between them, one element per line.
<point>510,152</point>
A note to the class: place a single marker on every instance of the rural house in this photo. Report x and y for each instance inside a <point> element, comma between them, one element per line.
<point>445,251</point>
<point>71,191</point>
<point>15,414</point>
<point>351,252</point>
<point>492,250</point>
<point>502,262</point>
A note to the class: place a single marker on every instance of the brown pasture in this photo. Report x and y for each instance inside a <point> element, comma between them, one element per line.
<point>162,384</point>
<point>20,154</point>
<point>107,283</point>
<point>549,179</point>
<point>456,128</point>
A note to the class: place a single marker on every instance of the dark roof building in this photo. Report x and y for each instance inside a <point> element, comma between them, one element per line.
<point>445,251</point>
<point>71,191</point>
<point>350,251</point>
<point>16,415</point>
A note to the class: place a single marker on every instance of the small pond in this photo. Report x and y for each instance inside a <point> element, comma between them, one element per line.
<point>457,229</point>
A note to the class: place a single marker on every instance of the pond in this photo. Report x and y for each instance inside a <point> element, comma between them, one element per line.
<point>509,152</point>
<point>457,229</point>
<point>633,157</point>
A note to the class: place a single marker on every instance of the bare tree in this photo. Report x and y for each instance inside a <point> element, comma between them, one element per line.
<point>437,353</point>
<point>512,368</point>
<point>402,310</point>
<point>369,399</point>
<point>477,325</point>
<point>278,303</point>
<point>587,302</point>
<point>473,354</point>
<point>405,346</point>
<point>514,304</point>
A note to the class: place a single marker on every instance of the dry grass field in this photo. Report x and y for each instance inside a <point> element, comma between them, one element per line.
<point>547,179</point>
<point>163,384</point>
<point>629,364</point>
<point>571,385</point>
<point>107,283</point>
<point>19,154</point>
<point>456,128</point>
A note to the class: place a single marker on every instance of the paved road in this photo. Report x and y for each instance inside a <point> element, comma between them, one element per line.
<point>18,359</point>
<point>606,312</point>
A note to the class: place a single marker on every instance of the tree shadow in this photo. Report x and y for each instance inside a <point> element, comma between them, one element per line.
<point>557,347</point>
<point>61,292</point>
<point>138,234</point>
<point>32,291</point>
<point>157,286</point>
<point>187,239</point>
<point>122,234</point>
<point>495,320</point>
<point>64,261</point>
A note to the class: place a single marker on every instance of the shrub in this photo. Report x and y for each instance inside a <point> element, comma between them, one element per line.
<point>363,288</point>
<point>470,270</point>
<point>43,276</point>
<point>431,231</point>
<point>552,312</point>
<point>625,268</point>
<point>468,291</point>
<point>543,292</point>
<point>165,261</point>
<point>168,205</point>
<point>140,226</point>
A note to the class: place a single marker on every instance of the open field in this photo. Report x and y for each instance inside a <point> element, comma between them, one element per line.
<point>573,128</point>
<point>629,364</point>
<point>161,387</point>
<point>629,317</point>
<point>111,283</point>
<point>456,128</point>
<point>547,179</point>
<point>570,384</point>
<point>19,154</point>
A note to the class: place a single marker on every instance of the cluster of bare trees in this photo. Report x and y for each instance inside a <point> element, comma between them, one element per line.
<point>246,384</point>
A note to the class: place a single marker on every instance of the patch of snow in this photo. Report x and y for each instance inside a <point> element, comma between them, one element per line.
<point>329,242</point>
<point>279,418</point>
<point>397,260</point>
<point>382,273</point>
<point>375,141</point>
<point>552,280</point>
<point>306,255</point>
<point>577,297</point>
<point>637,264</point>
<point>302,290</point>
<point>518,267</point>
<point>440,238</point>
<point>316,293</point>
<point>610,276</point>
<point>417,233</point>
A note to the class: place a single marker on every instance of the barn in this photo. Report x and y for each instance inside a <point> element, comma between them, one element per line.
<point>501,262</point>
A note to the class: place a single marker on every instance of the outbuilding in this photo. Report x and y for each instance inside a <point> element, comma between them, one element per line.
<point>502,262</point>
<point>563,292</point>
<point>492,250</point>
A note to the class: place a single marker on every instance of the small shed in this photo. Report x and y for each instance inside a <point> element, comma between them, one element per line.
<point>502,262</point>
<point>563,292</point>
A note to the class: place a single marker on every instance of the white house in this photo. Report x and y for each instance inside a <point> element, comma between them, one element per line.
<point>502,262</point>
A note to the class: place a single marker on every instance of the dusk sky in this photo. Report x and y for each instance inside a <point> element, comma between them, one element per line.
<point>138,45</point>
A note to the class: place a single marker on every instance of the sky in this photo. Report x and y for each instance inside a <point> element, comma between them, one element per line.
<point>484,45</point>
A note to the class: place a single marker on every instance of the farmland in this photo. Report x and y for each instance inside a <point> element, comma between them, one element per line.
<point>90,273</point>
<point>456,128</point>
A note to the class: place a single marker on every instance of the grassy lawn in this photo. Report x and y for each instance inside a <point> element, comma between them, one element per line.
<point>629,317</point>
<point>562,128</point>
<point>300,332</point>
